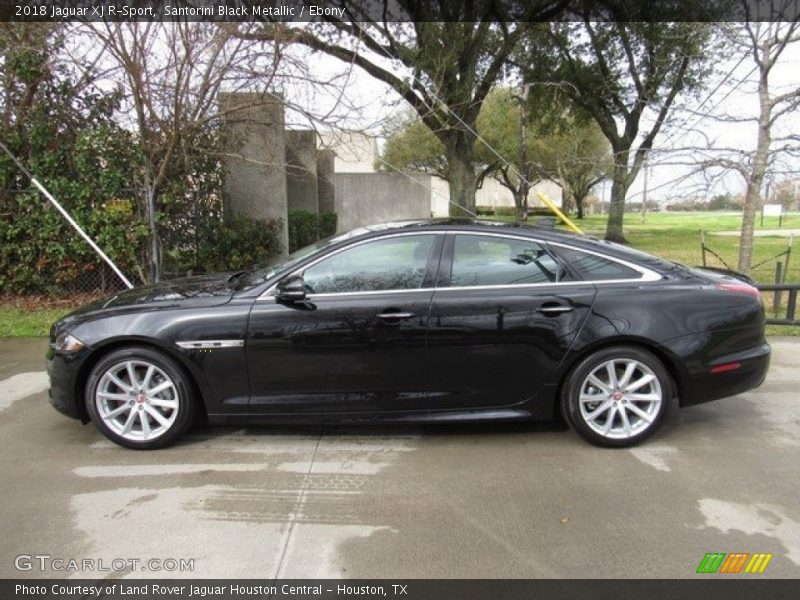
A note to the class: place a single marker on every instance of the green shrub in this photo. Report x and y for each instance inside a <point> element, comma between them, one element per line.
<point>306,227</point>
<point>240,242</point>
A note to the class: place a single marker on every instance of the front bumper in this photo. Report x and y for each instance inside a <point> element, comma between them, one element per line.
<point>63,370</point>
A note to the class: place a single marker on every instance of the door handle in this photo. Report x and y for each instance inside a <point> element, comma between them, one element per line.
<point>395,317</point>
<point>554,309</point>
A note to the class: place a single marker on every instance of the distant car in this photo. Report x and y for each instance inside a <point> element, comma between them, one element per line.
<point>421,321</point>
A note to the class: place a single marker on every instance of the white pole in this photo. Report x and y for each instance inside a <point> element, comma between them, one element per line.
<point>69,219</point>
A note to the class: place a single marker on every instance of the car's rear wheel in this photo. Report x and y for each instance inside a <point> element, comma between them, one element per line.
<point>617,397</point>
<point>139,398</point>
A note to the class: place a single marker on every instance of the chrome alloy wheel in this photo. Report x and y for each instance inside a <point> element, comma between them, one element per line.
<point>137,400</point>
<point>620,398</point>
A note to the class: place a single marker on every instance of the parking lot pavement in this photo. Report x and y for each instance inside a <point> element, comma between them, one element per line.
<point>489,500</point>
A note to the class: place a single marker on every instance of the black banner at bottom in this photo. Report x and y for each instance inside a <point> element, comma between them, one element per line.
<point>405,589</point>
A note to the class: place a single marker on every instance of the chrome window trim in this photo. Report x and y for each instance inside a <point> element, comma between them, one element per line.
<point>648,275</point>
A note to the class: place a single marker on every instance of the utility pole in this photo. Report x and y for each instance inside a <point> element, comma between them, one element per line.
<point>523,150</point>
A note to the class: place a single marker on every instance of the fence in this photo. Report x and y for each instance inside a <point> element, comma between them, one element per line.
<point>775,295</point>
<point>776,267</point>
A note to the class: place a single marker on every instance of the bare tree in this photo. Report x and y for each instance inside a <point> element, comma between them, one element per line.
<point>443,61</point>
<point>171,74</point>
<point>765,42</point>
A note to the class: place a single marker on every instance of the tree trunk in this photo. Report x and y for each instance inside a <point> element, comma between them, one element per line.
<point>519,204</point>
<point>756,180</point>
<point>155,270</point>
<point>461,175</point>
<point>616,209</point>
<point>579,205</point>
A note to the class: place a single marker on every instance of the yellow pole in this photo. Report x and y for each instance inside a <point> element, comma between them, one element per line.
<point>552,206</point>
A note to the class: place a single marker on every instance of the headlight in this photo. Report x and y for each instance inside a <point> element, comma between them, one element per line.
<point>68,343</point>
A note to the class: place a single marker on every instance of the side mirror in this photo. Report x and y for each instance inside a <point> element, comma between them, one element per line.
<point>292,289</point>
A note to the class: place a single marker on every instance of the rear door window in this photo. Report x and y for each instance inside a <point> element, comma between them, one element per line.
<point>491,260</point>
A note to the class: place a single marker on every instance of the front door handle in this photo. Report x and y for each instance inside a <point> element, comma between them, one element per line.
<point>395,317</point>
<point>554,309</point>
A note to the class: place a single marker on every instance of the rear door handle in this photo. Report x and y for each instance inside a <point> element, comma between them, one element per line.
<point>395,317</point>
<point>554,309</point>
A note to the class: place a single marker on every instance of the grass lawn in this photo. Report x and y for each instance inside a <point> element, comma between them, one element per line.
<point>675,236</point>
<point>21,322</point>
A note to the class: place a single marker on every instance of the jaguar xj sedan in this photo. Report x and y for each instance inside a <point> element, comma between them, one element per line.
<point>426,321</point>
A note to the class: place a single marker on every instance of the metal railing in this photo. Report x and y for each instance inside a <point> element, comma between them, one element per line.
<point>780,316</point>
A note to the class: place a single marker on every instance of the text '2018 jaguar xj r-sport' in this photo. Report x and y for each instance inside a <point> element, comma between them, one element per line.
<point>424,321</point>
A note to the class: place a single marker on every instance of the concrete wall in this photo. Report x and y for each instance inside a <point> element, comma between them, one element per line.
<point>369,198</point>
<point>301,170</point>
<point>255,180</point>
<point>355,151</point>
<point>492,193</point>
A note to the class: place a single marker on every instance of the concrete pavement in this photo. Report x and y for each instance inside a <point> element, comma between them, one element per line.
<point>489,500</point>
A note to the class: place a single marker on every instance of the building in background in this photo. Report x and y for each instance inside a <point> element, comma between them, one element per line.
<point>272,170</point>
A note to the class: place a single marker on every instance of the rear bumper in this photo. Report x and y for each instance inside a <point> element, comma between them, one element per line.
<point>704,386</point>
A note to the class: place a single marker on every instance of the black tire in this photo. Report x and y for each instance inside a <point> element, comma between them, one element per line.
<point>620,403</point>
<point>178,397</point>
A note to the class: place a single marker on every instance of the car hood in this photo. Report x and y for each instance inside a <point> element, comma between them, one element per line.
<point>203,290</point>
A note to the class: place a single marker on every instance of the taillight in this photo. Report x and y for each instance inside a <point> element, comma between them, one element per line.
<point>740,288</point>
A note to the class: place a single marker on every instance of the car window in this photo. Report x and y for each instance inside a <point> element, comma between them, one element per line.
<point>489,260</point>
<point>396,263</point>
<point>592,267</point>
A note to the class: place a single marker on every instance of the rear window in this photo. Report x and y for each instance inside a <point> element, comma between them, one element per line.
<point>592,267</point>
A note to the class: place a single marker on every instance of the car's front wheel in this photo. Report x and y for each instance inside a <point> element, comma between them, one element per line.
<point>617,397</point>
<point>139,398</point>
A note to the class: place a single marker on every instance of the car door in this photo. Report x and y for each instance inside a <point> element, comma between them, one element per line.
<point>503,316</point>
<point>357,342</point>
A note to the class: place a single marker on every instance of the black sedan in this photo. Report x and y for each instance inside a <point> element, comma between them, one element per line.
<point>425,321</point>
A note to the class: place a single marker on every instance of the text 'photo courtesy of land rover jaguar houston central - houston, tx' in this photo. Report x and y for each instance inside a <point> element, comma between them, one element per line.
<point>424,321</point>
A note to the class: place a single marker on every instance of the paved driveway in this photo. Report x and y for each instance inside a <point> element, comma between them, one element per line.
<point>490,500</point>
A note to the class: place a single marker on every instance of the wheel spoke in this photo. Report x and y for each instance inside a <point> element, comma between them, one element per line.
<point>172,404</point>
<point>626,376</point>
<point>640,383</point>
<point>645,397</point>
<point>119,383</point>
<point>146,381</point>
<point>610,419</point>
<point>162,420</point>
<point>129,422</point>
<point>145,424</point>
<point>117,411</point>
<point>599,410</point>
<point>596,382</point>
<point>164,385</point>
<point>589,398</point>
<point>110,396</point>
<point>611,369</point>
<point>132,374</point>
<point>626,424</point>
<point>640,413</point>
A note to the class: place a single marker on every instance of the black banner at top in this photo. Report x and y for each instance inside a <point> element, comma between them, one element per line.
<point>397,10</point>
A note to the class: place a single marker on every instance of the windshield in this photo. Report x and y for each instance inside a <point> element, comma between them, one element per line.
<point>282,263</point>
